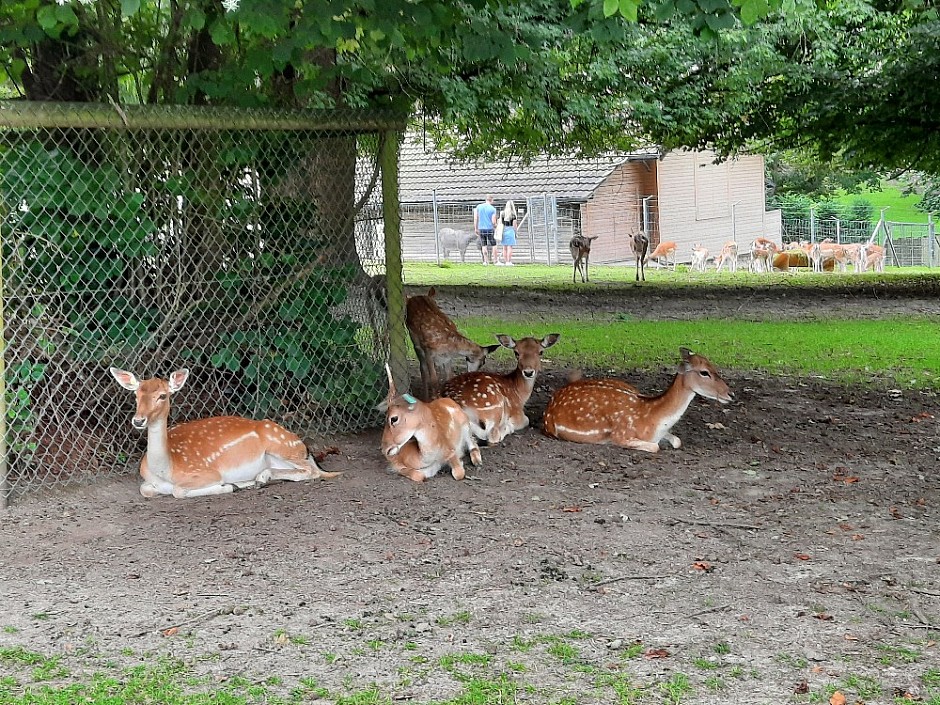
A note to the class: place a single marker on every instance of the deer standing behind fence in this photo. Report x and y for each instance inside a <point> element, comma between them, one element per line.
<point>421,438</point>
<point>641,245</point>
<point>609,411</point>
<point>665,252</point>
<point>438,343</point>
<point>580,246</point>
<point>729,256</point>
<point>214,455</point>
<point>495,403</point>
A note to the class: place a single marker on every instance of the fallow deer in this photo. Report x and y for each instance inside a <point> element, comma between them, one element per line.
<point>609,411</point>
<point>214,455</point>
<point>729,256</point>
<point>699,258</point>
<point>580,246</point>
<point>762,254</point>
<point>641,246</point>
<point>665,252</point>
<point>421,438</point>
<point>495,403</point>
<point>438,343</point>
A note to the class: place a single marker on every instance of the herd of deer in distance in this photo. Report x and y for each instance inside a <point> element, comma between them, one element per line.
<point>219,454</point>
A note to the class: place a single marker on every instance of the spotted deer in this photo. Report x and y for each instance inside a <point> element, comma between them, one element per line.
<point>210,456</point>
<point>729,256</point>
<point>580,246</point>
<point>609,411</point>
<point>438,343</point>
<point>665,252</point>
<point>762,254</point>
<point>420,438</point>
<point>699,258</point>
<point>641,245</point>
<point>495,403</point>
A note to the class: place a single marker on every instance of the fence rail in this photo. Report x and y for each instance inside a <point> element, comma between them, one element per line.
<point>248,246</point>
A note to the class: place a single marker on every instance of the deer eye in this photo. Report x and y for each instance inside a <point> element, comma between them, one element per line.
<point>162,397</point>
<point>393,420</point>
<point>705,373</point>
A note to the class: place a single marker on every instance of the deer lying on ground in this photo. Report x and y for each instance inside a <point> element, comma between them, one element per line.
<point>421,438</point>
<point>699,258</point>
<point>438,343</point>
<point>214,455</point>
<point>729,256</point>
<point>609,411</point>
<point>641,245</point>
<point>580,246</point>
<point>665,252</point>
<point>495,403</point>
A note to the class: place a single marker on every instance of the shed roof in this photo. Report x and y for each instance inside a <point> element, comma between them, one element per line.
<point>423,170</point>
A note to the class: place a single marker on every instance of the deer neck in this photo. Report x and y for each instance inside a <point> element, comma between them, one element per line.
<point>521,385</point>
<point>668,407</point>
<point>159,461</point>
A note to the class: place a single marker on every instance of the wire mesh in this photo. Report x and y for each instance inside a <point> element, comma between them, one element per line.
<point>246,247</point>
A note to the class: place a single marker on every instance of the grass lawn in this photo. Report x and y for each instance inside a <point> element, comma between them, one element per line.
<point>901,208</point>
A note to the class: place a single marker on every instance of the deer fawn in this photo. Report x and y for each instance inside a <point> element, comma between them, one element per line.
<point>641,245</point>
<point>421,438</point>
<point>762,254</point>
<point>438,343</point>
<point>665,252</point>
<point>729,256</point>
<point>610,411</point>
<point>214,455</point>
<point>495,403</point>
<point>580,246</point>
<point>699,258</point>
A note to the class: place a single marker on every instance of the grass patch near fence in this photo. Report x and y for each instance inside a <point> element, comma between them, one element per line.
<point>899,352</point>
<point>901,208</point>
<point>617,277</point>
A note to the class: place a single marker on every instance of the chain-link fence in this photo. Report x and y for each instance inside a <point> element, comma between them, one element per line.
<point>906,244</point>
<point>246,246</point>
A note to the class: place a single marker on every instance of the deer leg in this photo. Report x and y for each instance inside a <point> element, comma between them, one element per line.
<point>412,474</point>
<point>673,440</point>
<point>627,440</point>
<point>149,488</point>
<point>456,467</point>
<point>221,488</point>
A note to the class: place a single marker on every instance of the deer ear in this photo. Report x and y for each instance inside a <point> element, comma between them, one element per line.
<point>492,348</point>
<point>178,379</point>
<point>125,379</point>
<point>686,354</point>
<point>432,292</point>
<point>506,341</point>
<point>550,339</point>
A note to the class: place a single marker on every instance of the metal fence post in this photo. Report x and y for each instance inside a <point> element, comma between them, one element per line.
<point>931,234</point>
<point>812,225</point>
<point>397,360</point>
<point>437,234</point>
<point>4,466</point>
<point>548,239</point>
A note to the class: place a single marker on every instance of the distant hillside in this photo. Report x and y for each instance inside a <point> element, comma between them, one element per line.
<point>901,208</point>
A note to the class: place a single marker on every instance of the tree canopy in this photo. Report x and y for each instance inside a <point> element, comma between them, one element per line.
<point>851,79</point>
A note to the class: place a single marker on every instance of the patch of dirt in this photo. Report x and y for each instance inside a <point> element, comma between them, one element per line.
<point>791,544</point>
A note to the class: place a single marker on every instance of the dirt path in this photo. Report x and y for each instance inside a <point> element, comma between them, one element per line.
<point>790,546</point>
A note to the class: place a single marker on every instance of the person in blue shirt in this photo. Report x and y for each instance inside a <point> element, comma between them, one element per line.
<point>484,225</point>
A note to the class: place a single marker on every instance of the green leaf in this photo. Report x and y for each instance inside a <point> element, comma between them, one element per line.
<point>664,10</point>
<point>221,33</point>
<point>611,7</point>
<point>194,18</point>
<point>628,8</point>
<point>46,17</point>
<point>129,7</point>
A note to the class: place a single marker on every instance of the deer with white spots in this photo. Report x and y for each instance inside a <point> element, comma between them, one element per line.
<point>495,403</point>
<point>609,411</point>
<point>214,455</point>
<point>438,343</point>
<point>421,438</point>
<point>729,256</point>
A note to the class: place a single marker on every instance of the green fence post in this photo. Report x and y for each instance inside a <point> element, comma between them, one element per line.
<point>397,346</point>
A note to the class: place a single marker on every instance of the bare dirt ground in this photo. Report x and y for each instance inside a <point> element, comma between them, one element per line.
<point>789,549</point>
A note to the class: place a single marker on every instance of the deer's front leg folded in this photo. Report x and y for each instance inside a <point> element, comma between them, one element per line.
<point>673,440</point>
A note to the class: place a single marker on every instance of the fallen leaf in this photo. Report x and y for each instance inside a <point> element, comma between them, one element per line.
<point>801,556</point>
<point>716,426</point>
<point>857,537</point>
<point>845,527</point>
<point>823,616</point>
<point>703,566</point>
<point>281,638</point>
<point>332,450</point>
<point>171,631</point>
<point>921,416</point>
<point>571,509</point>
<point>837,698</point>
<point>656,653</point>
<point>817,669</point>
<point>801,688</point>
<point>851,479</point>
<point>895,513</point>
<point>849,637</point>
